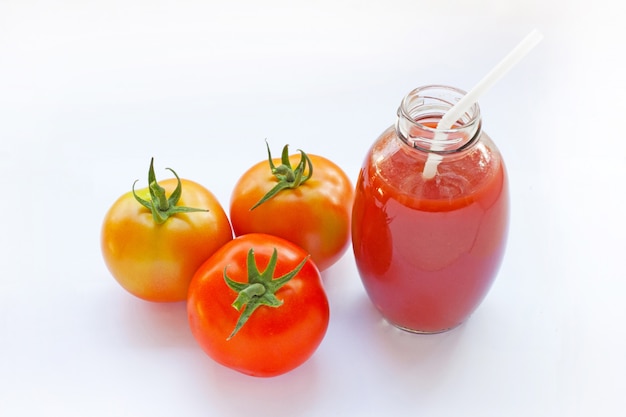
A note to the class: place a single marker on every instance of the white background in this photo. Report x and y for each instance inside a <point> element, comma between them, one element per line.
<point>90,90</point>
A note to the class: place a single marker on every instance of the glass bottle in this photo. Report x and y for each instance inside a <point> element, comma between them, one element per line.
<point>428,249</point>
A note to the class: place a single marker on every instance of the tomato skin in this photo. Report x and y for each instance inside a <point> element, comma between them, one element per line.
<point>315,216</point>
<point>274,340</point>
<point>156,262</point>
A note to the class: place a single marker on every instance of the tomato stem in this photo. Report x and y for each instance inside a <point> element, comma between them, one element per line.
<point>260,289</point>
<point>161,199</point>
<point>161,206</point>
<point>288,177</point>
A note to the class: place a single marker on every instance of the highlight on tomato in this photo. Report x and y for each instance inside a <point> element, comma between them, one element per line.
<point>306,199</point>
<point>258,306</point>
<point>154,239</point>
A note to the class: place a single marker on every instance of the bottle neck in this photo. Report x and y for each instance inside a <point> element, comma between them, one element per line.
<point>420,112</point>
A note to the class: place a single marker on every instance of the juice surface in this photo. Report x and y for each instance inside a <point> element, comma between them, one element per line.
<point>428,250</point>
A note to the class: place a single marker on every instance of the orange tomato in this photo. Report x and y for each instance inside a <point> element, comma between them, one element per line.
<point>315,214</point>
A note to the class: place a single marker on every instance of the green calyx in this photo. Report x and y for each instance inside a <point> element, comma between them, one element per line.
<point>260,289</point>
<point>161,206</point>
<point>287,176</point>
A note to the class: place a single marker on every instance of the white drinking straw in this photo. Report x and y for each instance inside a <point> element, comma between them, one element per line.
<point>452,115</point>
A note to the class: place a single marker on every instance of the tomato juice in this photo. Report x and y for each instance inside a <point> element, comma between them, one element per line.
<point>428,250</point>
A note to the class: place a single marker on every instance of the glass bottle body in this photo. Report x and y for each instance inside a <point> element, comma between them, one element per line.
<point>428,249</point>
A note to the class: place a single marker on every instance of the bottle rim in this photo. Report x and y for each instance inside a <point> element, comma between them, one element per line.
<point>421,109</point>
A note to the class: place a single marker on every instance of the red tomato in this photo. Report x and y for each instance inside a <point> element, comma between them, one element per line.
<point>313,209</point>
<point>156,261</point>
<point>259,323</point>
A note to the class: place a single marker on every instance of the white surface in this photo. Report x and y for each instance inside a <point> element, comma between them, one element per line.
<point>89,91</point>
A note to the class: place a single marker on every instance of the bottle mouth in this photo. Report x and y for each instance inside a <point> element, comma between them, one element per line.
<point>420,112</point>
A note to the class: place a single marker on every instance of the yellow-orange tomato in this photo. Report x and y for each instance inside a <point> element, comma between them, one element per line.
<point>154,261</point>
<point>315,215</point>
